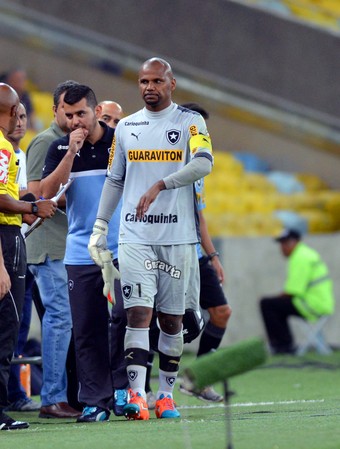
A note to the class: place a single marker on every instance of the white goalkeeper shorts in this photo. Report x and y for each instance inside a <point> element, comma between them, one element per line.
<point>164,276</point>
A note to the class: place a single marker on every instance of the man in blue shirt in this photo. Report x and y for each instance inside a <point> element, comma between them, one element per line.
<point>83,156</point>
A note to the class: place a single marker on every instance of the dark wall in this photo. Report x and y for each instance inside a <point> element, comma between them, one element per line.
<point>247,46</point>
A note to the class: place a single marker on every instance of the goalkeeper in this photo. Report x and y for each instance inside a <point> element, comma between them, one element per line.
<point>160,152</point>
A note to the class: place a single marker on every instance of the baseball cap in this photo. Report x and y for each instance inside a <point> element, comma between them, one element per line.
<point>287,234</point>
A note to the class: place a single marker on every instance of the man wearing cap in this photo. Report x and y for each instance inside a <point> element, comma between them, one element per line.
<point>308,292</point>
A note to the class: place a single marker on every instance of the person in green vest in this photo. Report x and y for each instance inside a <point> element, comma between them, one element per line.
<point>307,293</point>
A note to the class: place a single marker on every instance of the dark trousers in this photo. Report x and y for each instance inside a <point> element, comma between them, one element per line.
<point>118,324</point>
<point>275,313</point>
<point>14,252</point>
<point>15,390</point>
<point>90,318</point>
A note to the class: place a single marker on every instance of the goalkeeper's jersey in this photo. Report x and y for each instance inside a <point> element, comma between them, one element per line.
<point>150,146</point>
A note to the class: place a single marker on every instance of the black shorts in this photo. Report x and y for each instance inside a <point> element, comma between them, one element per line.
<point>211,294</point>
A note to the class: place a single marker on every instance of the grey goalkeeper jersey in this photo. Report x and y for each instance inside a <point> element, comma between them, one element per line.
<point>150,146</point>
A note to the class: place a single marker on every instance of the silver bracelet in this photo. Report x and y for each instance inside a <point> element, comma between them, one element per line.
<point>211,255</point>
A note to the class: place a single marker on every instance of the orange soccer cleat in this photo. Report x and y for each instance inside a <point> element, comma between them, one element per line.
<point>166,407</point>
<point>136,408</point>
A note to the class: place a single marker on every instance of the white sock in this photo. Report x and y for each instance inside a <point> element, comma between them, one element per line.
<point>167,382</point>
<point>170,348</point>
<point>136,355</point>
<point>137,376</point>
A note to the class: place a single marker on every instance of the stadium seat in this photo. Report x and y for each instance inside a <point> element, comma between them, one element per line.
<point>313,336</point>
<point>311,181</point>
<point>247,203</point>
<point>42,104</point>
<point>323,13</point>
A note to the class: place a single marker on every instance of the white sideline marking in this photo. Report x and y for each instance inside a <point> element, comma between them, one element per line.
<point>253,404</point>
<point>301,401</point>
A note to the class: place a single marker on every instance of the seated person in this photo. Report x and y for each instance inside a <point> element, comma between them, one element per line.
<point>307,293</point>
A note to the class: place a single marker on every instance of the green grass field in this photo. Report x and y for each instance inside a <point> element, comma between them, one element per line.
<point>288,403</point>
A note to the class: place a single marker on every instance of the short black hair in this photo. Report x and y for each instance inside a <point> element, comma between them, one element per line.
<point>198,108</point>
<point>60,89</point>
<point>78,92</point>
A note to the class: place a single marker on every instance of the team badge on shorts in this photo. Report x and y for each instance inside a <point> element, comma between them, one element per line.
<point>70,284</point>
<point>127,291</point>
<point>173,136</point>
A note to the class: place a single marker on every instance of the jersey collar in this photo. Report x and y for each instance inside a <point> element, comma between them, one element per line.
<point>160,114</point>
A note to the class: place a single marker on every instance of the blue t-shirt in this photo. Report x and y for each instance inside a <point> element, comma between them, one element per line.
<point>82,198</point>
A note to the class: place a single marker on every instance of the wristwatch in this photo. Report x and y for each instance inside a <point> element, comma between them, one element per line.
<point>34,208</point>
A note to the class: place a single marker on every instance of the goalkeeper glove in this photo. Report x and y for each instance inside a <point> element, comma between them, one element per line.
<point>98,241</point>
<point>109,273</point>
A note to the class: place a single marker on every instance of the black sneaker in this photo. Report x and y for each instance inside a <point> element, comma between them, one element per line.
<point>7,423</point>
<point>94,414</point>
